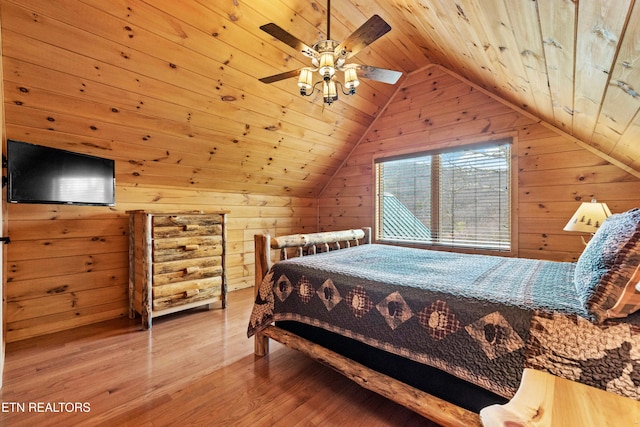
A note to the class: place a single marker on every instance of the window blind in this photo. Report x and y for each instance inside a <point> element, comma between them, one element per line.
<point>457,198</point>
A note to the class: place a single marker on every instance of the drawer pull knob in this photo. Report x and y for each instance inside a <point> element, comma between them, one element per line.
<point>191,293</point>
<point>191,270</point>
<point>191,247</point>
<point>190,227</point>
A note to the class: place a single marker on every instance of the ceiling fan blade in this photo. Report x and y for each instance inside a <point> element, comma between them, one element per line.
<point>378,74</point>
<point>370,31</point>
<point>287,38</point>
<point>281,76</point>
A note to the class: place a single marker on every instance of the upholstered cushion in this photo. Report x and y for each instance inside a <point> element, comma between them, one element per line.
<point>608,270</point>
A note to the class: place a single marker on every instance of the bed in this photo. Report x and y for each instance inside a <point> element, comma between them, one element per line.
<point>447,334</point>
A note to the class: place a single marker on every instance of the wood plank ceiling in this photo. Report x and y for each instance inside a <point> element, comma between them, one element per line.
<point>170,89</point>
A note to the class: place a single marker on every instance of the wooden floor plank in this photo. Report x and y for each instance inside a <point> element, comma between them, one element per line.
<point>192,368</point>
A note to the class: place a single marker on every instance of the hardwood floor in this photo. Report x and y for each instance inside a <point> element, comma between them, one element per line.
<point>192,368</point>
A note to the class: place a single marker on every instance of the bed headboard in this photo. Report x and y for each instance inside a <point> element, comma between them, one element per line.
<point>305,244</point>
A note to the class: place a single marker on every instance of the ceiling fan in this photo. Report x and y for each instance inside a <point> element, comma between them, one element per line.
<point>328,56</point>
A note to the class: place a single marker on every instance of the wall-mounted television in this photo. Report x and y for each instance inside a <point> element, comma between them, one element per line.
<point>38,174</point>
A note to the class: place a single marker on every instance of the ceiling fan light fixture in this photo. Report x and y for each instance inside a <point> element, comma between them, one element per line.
<point>351,80</point>
<point>329,91</point>
<point>327,66</point>
<point>328,55</point>
<point>305,81</point>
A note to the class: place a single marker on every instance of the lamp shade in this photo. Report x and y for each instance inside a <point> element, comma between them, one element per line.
<point>327,67</point>
<point>588,218</point>
<point>306,79</point>
<point>351,78</point>
<point>329,91</point>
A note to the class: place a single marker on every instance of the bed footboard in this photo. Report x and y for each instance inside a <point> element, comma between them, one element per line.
<point>300,245</point>
<point>303,244</point>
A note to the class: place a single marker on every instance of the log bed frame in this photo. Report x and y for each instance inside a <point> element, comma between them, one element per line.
<point>541,400</point>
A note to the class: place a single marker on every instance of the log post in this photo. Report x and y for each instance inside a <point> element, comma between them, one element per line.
<point>132,271</point>
<point>262,245</point>
<point>261,344</point>
<point>367,235</point>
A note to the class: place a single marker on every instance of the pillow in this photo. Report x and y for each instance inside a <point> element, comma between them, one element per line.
<point>608,270</point>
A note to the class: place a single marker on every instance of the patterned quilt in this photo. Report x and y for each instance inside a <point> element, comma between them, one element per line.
<point>480,318</point>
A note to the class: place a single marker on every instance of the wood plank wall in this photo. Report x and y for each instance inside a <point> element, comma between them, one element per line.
<point>434,109</point>
<point>68,265</point>
<point>129,82</point>
<point>3,222</point>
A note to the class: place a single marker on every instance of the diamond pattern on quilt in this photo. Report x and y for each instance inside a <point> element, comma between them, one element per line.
<point>395,310</point>
<point>495,335</point>
<point>359,302</point>
<point>329,294</point>
<point>283,288</point>
<point>439,320</point>
<point>265,292</point>
<point>305,289</point>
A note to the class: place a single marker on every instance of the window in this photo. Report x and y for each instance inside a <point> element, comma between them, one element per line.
<point>459,198</point>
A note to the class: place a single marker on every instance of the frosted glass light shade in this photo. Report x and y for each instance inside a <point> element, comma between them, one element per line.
<point>306,79</point>
<point>351,78</point>
<point>329,91</point>
<point>327,67</point>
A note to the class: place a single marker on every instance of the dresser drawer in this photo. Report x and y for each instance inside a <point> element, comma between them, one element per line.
<point>192,272</point>
<point>184,299</point>
<point>186,286</point>
<point>186,226</point>
<point>178,248</point>
<point>185,265</point>
<point>185,292</point>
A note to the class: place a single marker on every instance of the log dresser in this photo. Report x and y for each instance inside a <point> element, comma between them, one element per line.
<point>176,262</point>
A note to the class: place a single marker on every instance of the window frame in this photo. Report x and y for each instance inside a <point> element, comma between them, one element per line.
<point>443,148</point>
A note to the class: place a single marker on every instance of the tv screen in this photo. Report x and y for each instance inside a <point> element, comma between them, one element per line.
<point>38,174</point>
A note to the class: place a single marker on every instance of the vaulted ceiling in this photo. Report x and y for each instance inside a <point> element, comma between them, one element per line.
<point>170,89</point>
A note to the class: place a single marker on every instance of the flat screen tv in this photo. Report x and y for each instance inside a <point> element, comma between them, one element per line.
<point>38,174</point>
